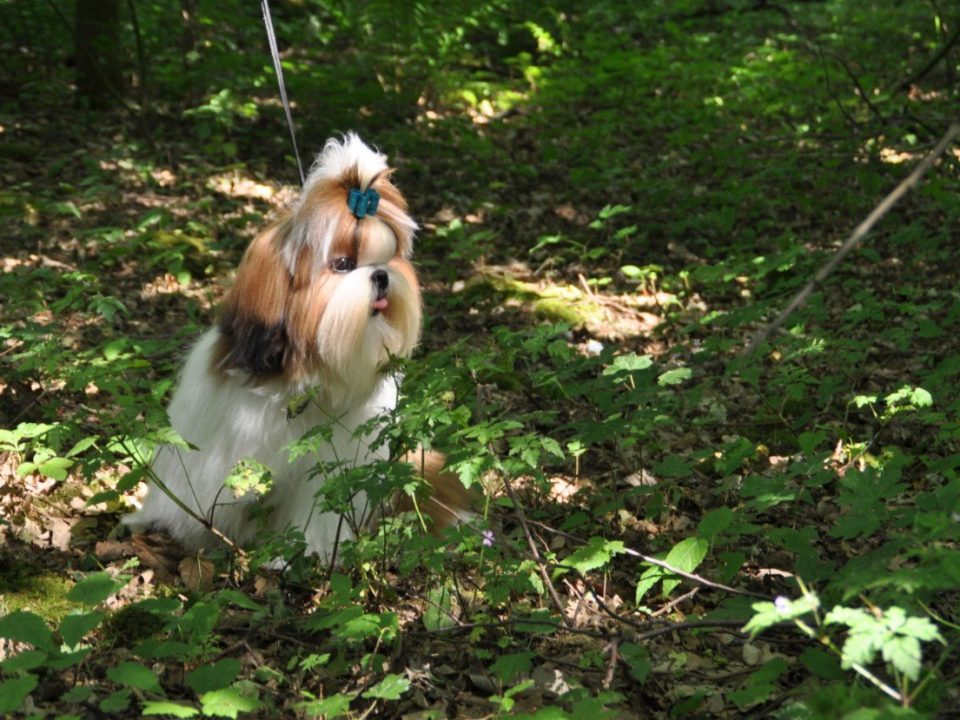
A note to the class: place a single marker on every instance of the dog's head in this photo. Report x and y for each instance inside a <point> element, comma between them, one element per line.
<point>328,294</point>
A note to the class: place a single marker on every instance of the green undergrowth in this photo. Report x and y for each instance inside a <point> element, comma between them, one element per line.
<point>614,199</point>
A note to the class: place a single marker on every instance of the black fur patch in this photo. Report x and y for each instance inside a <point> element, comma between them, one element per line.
<point>253,346</point>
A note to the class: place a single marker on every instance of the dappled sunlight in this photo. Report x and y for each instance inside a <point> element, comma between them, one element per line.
<point>238,183</point>
<point>612,198</point>
<point>893,156</point>
<point>602,315</point>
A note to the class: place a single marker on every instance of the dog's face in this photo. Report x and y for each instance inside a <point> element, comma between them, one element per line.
<point>324,296</point>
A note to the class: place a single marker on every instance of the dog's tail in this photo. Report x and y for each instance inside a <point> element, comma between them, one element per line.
<point>448,501</point>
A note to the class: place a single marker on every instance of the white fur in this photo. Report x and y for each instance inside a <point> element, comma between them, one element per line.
<point>230,420</point>
<point>229,416</point>
<point>336,158</point>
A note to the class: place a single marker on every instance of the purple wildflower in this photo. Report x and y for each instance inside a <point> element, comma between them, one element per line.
<point>487,538</point>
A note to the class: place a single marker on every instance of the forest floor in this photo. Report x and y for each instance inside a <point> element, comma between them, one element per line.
<point>597,247</point>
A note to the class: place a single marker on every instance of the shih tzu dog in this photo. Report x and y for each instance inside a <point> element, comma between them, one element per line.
<point>323,299</point>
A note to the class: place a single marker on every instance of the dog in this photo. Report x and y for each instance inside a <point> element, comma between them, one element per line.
<point>323,299</point>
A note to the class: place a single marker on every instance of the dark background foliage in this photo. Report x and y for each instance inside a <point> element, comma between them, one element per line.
<point>614,197</point>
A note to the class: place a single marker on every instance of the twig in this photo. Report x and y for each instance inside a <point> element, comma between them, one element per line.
<point>693,577</point>
<point>614,647</point>
<point>859,232</point>
<point>500,624</point>
<point>141,53</point>
<point>541,563</point>
<point>673,603</point>
<point>175,499</point>
<point>917,76</point>
<point>686,625</point>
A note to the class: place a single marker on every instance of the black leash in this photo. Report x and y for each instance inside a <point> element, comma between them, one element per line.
<point>272,39</point>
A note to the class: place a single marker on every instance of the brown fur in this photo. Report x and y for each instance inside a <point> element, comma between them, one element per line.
<point>448,496</point>
<point>270,317</point>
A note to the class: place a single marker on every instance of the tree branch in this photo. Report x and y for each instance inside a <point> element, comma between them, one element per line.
<point>855,237</point>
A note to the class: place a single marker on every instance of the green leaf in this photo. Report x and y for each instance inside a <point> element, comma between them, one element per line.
<point>637,658</point>
<point>94,589</point>
<point>675,376</point>
<point>55,468</point>
<point>65,659</point>
<point>116,702</point>
<point>239,599</point>
<point>14,692</point>
<point>249,476</point>
<point>31,431</point>
<point>106,496</point>
<point>213,677</point>
<point>164,707</point>
<point>77,694</point>
<point>910,397</point>
<point>810,441</point>
<point>153,648</point>
<point>855,618</point>
<point>331,707</point>
<point>921,628</point>
<point>822,663</point>
<point>74,626</point>
<point>227,702</point>
<point>392,687</point>
<point>904,654</point>
<point>25,660</point>
<point>540,622</point>
<point>24,626</point>
<point>133,675</point>
<point>715,522</point>
<point>438,614</point>
<point>628,363</point>
<point>595,554</point>
<point>82,446</point>
<point>314,660</point>
<point>859,649</point>
<point>609,211</point>
<point>767,614</point>
<point>686,555</point>
<point>507,667</point>
<point>674,466</point>
<point>760,685</point>
<point>650,577</point>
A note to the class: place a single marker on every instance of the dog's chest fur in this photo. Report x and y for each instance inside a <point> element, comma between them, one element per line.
<point>230,419</point>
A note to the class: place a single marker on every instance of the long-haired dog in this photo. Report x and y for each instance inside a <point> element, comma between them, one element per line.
<point>322,300</point>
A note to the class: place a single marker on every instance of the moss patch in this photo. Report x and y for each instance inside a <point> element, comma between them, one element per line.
<point>43,593</point>
<point>623,317</point>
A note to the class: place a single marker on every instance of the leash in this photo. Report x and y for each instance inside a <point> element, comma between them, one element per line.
<point>272,39</point>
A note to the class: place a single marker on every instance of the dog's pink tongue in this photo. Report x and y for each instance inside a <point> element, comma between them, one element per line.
<point>380,304</point>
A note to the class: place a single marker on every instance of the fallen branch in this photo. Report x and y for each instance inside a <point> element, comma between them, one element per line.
<point>856,236</point>
<point>692,577</point>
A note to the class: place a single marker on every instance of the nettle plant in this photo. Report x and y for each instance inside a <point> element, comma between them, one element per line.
<point>888,633</point>
<point>872,574</point>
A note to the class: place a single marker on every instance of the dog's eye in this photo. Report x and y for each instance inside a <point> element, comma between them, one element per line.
<point>343,264</point>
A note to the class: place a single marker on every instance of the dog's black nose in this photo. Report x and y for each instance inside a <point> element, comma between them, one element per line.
<point>381,280</point>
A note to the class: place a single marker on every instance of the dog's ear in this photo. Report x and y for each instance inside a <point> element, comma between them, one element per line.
<point>253,332</point>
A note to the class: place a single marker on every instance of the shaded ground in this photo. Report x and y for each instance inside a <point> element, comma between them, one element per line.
<point>612,201</point>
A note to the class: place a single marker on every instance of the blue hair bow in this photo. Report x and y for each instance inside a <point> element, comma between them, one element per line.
<point>363,203</point>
